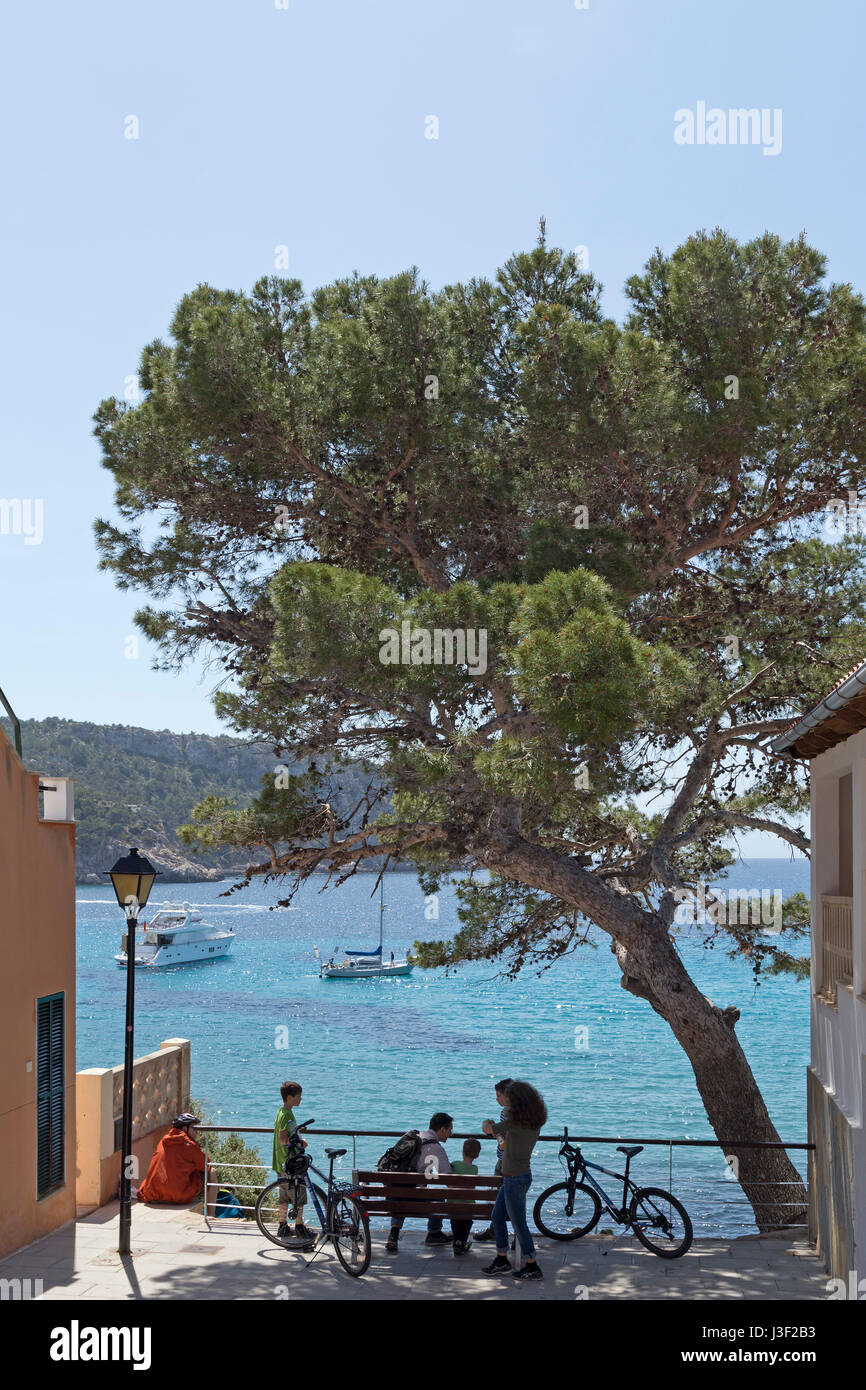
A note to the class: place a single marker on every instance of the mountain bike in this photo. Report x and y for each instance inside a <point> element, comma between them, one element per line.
<point>572,1208</point>
<point>339,1215</point>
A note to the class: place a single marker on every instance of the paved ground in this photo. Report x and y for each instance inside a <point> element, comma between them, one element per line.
<point>176,1254</point>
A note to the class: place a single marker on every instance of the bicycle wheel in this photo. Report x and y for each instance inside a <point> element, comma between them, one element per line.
<point>349,1229</point>
<point>567,1210</point>
<point>660,1222</point>
<point>268,1214</point>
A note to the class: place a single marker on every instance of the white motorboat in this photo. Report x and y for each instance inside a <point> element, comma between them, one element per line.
<point>363,965</point>
<point>177,935</point>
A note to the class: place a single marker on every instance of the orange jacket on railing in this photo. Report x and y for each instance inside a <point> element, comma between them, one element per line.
<point>175,1172</point>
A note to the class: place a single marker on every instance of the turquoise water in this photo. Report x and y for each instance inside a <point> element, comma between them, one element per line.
<point>385,1054</point>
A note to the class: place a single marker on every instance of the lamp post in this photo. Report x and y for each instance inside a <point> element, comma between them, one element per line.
<point>132,879</point>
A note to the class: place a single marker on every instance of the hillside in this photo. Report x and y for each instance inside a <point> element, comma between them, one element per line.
<point>136,786</point>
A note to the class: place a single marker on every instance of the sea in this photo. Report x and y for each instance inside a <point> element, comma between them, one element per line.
<point>386,1054</point>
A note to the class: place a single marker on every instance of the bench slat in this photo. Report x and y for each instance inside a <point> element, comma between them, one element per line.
<point>434,1193</point>
<point>437,1189</point>
<point>460,1196</point>
<point>397,1181</point>
<point>477,1211</point>
<point>492,1180</point>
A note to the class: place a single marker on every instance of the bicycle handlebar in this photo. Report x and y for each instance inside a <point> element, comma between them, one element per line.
<point>305,1125</point>
<point>568,1146</point>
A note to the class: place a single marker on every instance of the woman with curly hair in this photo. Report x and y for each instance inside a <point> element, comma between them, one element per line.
<point>525,1113</point>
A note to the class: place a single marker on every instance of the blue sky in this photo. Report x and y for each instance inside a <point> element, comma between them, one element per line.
<point>305,127</point>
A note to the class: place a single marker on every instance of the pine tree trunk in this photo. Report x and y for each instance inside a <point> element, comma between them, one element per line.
<point>652,969</point>
<point>733,1102</point>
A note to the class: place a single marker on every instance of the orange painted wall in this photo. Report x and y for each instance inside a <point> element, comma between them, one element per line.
<point>37,949</point>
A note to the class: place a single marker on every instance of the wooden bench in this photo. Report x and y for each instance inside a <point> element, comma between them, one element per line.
<point>459,1196</point>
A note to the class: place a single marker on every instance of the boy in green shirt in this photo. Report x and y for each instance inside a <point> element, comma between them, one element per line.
<point>292,1191</point>
<point>460,1227</point>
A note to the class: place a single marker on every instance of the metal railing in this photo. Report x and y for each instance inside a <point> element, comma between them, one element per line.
<point>15,721</point>
<point>837,943</point>
<point>713,1198</point>
<point>214,1187</point>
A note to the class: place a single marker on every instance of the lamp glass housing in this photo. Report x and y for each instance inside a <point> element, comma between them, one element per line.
<point>132,879</point>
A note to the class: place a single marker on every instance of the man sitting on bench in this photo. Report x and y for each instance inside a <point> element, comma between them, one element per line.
<point>432,1160</point>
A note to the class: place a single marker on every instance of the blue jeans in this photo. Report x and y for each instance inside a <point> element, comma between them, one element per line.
<point>510,1204</point>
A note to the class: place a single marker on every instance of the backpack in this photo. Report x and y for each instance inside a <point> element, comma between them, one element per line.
<point>402,1157</point>
<point>227,1203</point>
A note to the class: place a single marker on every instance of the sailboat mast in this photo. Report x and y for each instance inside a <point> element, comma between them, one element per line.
<point>381,910</point>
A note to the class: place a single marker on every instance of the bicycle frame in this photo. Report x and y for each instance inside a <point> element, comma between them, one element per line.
<point>578,1171</point>
<point>328,1180</point>
<point>618,1214</point>
<point>308,1182</point>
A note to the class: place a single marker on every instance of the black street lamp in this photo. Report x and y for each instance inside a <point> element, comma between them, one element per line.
<point>132,879</point>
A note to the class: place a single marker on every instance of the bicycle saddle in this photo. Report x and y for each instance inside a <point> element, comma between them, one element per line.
<point>630,1153</point>
<point>335,1153</point>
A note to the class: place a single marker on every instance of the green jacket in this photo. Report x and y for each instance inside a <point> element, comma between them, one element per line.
<point>519,1143</point>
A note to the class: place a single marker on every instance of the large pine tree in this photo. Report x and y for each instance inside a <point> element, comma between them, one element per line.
<point>634,515</point>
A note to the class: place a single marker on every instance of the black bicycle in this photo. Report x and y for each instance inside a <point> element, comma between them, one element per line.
<point>340,1216</point>
<point>573,1208</point>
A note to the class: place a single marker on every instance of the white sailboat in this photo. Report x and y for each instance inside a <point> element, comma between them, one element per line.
<point>363,965</point>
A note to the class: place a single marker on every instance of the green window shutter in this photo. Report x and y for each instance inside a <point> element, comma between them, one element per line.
<point>50,1099</point>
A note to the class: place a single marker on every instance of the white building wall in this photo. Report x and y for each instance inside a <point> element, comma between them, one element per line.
<point>839,1033</point>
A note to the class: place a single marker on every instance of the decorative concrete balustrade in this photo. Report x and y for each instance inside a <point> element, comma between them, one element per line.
<point>160,1090</point>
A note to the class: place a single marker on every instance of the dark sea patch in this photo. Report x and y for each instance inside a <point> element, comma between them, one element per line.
<point>359,1020</point>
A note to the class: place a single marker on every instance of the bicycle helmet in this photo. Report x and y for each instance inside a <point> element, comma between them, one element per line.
<point>182,1121</point>
<point>297,1159</point>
